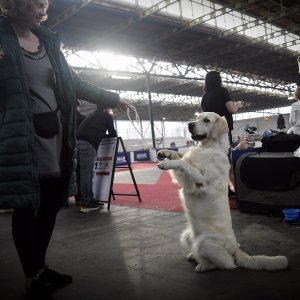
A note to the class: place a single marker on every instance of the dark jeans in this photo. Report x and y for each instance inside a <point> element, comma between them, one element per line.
<point>86,157</point>
<point>32,229</point>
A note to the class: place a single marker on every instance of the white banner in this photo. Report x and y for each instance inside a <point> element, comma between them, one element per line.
<point>103,169</point>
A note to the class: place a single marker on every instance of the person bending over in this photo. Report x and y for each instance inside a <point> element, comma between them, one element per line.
<point>89,135</point>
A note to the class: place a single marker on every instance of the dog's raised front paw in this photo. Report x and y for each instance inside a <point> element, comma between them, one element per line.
<point>170,154</point>
<point>164,165</point>
<point>164,153</point>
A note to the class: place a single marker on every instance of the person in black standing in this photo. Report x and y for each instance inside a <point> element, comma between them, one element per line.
<point>217,99</point>
<point>89,135</point>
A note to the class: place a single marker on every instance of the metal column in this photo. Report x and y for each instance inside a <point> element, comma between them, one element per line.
<point>150,110</point>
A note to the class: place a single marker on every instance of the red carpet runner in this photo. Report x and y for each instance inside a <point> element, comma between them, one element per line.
<point>163,195</point>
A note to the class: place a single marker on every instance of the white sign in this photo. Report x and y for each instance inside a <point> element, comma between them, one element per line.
<point>103,169</point>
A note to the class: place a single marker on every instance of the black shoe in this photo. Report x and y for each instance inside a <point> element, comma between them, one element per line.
<point>53,279</point>
<point>91,207</point>
<point>37,291</point>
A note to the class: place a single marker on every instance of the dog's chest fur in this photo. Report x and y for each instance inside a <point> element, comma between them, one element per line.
<point>206,202</point>
<point>212,164</point>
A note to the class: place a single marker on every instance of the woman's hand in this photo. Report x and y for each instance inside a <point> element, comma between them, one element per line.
<point>123,105</point>
<point>233,107</point>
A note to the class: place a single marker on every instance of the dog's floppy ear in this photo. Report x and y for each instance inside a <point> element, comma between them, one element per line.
<point>220,127</point>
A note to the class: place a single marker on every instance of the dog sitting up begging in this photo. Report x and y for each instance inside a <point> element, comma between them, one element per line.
<point>203,173</point>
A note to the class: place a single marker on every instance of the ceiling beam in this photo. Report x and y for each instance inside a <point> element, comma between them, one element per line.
<point>233,31</point>
<point>70,11</point>
<point>133,20</point>
<point>197,21</point>
<point>259,52</point>
<point>253,41</point>
<point>194,80</point>
<point>140,16</point>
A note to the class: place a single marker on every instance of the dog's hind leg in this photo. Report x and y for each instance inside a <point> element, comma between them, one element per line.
<point>186,240</point>
<point>204,265</point>
<point>212,248</point>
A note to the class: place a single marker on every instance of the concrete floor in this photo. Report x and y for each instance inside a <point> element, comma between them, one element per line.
<point>130,253</point>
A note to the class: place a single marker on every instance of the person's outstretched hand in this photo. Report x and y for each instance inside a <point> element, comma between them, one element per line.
<point>123,105</point>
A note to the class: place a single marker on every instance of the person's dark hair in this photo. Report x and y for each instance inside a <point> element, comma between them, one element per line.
<point>212,80</point>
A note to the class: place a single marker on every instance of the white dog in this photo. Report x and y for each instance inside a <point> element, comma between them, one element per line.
<point>203,173</point>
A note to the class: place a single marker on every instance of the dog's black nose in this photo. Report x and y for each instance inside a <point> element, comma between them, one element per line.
<point>191,126</point>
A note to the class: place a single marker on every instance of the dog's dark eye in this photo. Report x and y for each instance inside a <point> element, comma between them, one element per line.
<point>205,120</point>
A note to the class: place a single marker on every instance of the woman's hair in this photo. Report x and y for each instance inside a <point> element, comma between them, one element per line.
<point>212,80</point>
<point>297,93</point>
<point>15,8</point>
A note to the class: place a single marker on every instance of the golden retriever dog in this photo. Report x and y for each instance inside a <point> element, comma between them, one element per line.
<point>203,173</point>
<point>244,145</point>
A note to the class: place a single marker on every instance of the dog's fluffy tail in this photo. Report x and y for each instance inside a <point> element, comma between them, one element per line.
<point>260,262</point>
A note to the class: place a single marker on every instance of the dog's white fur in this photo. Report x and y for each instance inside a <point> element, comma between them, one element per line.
<point>203,174</point>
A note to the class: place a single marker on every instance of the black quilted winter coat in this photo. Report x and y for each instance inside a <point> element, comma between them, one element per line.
<point>19,185</point>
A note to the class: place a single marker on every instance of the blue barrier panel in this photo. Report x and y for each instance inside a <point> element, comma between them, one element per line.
<point>142,155</point>
<point>121,160</point>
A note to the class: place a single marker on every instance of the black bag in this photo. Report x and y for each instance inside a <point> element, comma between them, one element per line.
<point>281,143</point>
<point>46,124</point>
<point>275,172</point>
<point>267,182</point>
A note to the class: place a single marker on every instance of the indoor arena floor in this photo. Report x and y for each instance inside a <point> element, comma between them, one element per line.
<point>133,253</point>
